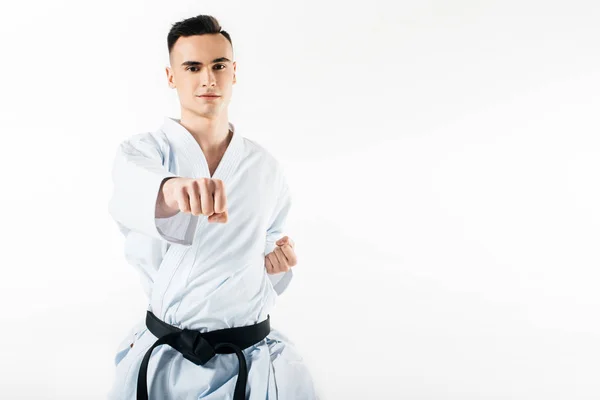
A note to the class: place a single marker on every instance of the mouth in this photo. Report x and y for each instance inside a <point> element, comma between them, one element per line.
<point>209,99</point>
<point>209,96</point>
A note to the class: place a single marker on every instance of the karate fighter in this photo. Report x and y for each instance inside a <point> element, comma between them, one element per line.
<point>203,211</point>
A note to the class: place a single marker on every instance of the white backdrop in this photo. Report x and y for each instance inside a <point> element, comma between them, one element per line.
<point>443,158</point>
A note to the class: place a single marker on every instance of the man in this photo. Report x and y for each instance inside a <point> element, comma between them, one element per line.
<point>203,210</point>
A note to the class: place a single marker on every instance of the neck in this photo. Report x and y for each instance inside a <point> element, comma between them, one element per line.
<point>211,134</point>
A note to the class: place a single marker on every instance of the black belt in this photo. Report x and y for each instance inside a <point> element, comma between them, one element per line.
<point>200,348</point>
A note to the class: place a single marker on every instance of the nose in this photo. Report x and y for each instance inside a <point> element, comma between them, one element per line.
<point>207,77</point>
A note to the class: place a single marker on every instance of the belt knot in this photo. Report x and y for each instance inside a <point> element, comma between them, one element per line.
<point>194,347</point>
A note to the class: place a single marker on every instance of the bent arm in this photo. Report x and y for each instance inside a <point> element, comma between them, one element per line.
<point>281,280</point>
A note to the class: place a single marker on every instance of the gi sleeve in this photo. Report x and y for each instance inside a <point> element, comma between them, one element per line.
<point>281,280</point>
<point>137,175</point>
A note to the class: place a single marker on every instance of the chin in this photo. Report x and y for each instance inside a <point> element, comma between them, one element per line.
<point>208,113</point>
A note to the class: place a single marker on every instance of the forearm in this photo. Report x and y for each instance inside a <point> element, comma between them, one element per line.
<point>162,209</point>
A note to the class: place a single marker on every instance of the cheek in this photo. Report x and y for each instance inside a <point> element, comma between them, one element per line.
<point>227,90</point>
<point>184,90</point>
<point>225,83</point>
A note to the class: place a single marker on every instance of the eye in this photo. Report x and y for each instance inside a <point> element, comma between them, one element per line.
<point>195,69</point>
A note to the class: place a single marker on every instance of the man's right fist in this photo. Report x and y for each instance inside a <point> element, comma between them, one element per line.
<point>202,196</point>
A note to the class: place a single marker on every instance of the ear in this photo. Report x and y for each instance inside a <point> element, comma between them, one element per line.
<point>234,78</point>
<point>170,78</point>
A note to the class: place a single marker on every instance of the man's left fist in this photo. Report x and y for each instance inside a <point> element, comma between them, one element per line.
<point>282,258</point>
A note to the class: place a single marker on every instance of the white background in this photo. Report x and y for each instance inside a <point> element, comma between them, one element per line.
<point>444,161</point>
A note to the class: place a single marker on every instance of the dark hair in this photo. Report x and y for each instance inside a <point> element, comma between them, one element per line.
<point>198,25</point>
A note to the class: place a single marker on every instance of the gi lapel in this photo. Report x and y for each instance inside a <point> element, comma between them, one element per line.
<point>189,157</point>
<point>190,163</point>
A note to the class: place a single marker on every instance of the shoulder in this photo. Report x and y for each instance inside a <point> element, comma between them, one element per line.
<point>150,144</point>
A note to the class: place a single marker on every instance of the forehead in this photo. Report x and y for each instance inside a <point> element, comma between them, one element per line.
<point>202,48</point>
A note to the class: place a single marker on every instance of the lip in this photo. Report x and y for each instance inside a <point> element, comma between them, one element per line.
<point>209,96</point>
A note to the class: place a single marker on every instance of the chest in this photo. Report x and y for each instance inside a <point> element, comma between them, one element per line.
<point>251,184</point>
<point>213,161</point>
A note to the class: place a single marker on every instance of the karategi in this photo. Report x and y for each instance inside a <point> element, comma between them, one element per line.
<point>201,276</point>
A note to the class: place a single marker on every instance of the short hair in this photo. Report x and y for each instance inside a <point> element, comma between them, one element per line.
<point>198,25</point>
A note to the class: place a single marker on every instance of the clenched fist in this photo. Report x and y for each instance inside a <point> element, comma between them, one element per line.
<point>202,196</point>
<point>282,258</point>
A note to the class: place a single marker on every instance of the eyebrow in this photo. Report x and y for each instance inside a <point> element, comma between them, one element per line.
<point>216,60</point>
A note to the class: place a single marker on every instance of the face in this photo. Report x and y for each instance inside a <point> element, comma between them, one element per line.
<point>202,64</point>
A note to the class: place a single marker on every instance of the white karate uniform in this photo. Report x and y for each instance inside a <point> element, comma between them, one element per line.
<point>204,276</point>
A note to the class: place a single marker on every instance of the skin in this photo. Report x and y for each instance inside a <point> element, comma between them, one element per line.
<point>202,64</point>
